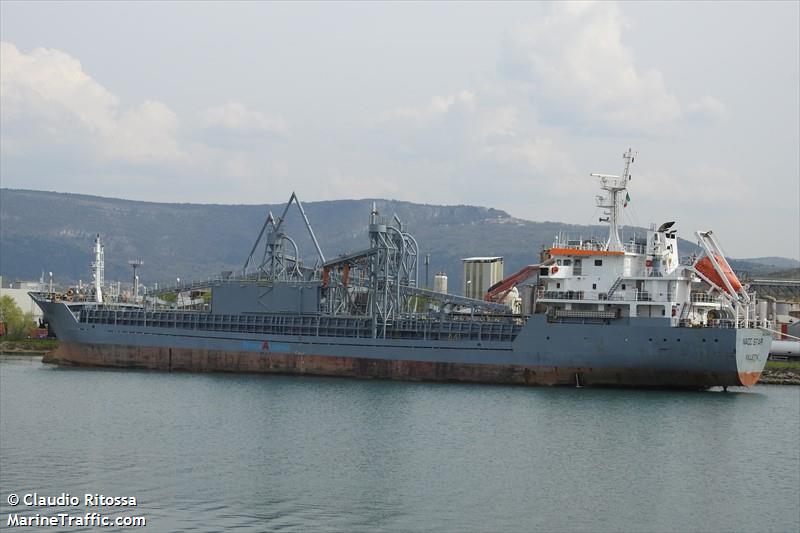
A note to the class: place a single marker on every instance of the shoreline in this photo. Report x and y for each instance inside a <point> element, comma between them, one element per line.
<point>29,346</point>
<point>775,376</point>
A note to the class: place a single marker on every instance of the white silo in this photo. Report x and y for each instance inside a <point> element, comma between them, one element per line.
<point>480,273</point>
<point>440,282</point>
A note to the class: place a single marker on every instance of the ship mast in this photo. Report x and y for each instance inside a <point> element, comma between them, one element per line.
<point>98,269</point>
<point>615,188</point>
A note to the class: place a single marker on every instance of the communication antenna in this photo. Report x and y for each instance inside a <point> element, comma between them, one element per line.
<point>615,187</point>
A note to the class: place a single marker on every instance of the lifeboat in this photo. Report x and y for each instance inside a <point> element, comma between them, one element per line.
<point>706,268</point>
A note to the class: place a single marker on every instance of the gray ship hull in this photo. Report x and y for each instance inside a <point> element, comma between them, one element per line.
<point>637,352</point>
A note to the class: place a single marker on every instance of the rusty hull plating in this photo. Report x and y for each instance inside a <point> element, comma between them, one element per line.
<point>202,360</point>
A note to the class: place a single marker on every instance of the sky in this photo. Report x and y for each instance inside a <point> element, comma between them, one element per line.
<point>506,105</point>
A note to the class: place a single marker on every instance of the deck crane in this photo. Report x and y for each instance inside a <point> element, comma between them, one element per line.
<point>498,291</point>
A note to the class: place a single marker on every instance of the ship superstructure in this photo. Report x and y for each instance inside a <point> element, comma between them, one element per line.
<point>644,277</point>
<point>607,313</point>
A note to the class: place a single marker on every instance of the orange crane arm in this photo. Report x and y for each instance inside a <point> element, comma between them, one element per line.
<point>498,290</point>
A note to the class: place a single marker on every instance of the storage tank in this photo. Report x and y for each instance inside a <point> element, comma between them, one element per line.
<point>762,312</point>
<point>480,273</point>
<point>440,282</point>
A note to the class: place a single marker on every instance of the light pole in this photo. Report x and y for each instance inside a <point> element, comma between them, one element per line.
<point>135,263</point>
<point>427,264</point>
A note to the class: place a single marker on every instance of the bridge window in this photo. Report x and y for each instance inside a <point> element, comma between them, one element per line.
<point>598,262</point>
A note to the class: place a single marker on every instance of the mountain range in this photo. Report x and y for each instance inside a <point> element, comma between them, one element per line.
<point>54,232</point>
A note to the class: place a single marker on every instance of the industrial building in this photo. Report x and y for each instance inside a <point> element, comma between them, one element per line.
<point>18,290</point>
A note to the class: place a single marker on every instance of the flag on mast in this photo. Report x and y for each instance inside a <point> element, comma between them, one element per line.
<point>627,199</point>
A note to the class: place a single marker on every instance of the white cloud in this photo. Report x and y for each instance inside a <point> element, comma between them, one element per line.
<point>541,158</point>
<point>48,100</point>
<point>436,109</point>
<point>235,117</point>
<point>578,70</point>
<point>146,134</point>
<point>698,184</point>
<point>51,77</point>
<point>466,146</point>
<point>446,127</point>
<point>55,113</point>
<point>707,109</point>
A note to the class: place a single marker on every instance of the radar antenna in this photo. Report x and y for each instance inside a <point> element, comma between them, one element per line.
<point>611,201</point>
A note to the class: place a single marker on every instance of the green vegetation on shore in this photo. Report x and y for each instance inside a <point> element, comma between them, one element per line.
<point>783,365</point>
<point>17,324</point>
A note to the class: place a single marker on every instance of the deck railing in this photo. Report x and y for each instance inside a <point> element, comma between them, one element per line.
<point>618,296</point>
<point>702,297</point>
<point>594,246</point>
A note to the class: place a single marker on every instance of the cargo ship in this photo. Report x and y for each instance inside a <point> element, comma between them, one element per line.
<point>592,313</point>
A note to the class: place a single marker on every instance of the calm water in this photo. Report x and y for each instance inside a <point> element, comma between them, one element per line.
<point>257,453</point>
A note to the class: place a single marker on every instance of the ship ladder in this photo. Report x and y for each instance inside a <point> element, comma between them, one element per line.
<point>613,288</point>
<point>686,308</point>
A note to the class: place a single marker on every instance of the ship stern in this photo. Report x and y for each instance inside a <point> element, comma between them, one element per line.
<point>752,352</point>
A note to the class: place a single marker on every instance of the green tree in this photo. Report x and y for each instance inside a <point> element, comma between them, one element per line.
<point>18,324</point>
